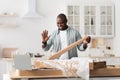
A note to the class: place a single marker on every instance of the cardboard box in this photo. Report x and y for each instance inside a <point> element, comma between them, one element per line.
<point>105,72</point>
<point>43,73</point>
<point>97,65</point>
<point>40,72</point>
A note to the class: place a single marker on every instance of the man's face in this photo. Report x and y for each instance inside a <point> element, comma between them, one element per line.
<point>61,23</point>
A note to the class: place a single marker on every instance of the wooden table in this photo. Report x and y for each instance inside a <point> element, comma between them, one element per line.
<point>17,77</point>
<point>47,74</point>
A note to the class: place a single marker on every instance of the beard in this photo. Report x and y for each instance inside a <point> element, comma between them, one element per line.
<point>60,28</point>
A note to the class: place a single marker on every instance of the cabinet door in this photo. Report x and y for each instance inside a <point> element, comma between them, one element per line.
<point>99,20</point>
<point>90,20</point>
<point>6,66</point>
<point>73,16</point>
<point>106,20</point>
<point>96,20</point>
<point>3,68</point>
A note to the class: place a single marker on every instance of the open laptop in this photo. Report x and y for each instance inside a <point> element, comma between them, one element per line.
<point>22,62</point>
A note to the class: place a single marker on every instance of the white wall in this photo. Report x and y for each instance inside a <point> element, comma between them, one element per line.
<point>117,28</point>
<point>27,34</point>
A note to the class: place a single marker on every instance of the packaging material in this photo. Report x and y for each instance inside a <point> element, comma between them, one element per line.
<point>83,67</point>
<point>75,67</point>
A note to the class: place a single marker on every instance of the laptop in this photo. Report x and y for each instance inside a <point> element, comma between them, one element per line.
<point>22,62</point>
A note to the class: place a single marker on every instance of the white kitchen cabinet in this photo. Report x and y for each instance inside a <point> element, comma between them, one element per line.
<point>74,16</point>
<point>89,25</point>
<point>8,20</point>
<point>94,19</point>
<point>6,67</point>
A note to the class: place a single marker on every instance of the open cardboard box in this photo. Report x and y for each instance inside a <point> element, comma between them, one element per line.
<point>105,72</point>
<point>43,69</point>
<point>47,72</point>
<point>97,65</point>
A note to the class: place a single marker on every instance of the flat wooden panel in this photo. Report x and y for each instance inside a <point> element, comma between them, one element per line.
<point>59,53</point>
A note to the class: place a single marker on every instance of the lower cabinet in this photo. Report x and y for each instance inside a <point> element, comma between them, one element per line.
<point>5,67</point>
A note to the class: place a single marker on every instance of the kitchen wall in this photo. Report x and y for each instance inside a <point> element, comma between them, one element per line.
<point>27,34</point>
<point>117,28</point>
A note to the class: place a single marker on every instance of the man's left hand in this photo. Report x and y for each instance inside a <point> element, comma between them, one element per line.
<point>86,41</point>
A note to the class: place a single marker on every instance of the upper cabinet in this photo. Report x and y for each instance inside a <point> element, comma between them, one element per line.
<point>89,24</point>
<point>106,20</point>
<point>94,19</point>
<point>74,16</point>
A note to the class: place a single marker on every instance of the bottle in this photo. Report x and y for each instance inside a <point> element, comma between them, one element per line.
<point>92,21</point>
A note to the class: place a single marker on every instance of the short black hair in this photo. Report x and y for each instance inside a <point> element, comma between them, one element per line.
<point>62,16</point>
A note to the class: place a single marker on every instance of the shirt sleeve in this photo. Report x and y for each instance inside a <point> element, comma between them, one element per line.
<point>49,43</point>
<point>80,46</point>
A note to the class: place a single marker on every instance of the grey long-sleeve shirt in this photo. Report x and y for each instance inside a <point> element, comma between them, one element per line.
<point>72,36</point>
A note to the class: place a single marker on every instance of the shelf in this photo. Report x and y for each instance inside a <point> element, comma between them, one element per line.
<point>7,25</point>
<point>8,15</point>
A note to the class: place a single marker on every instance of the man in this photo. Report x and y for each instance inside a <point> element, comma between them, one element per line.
<point>63,37</point>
